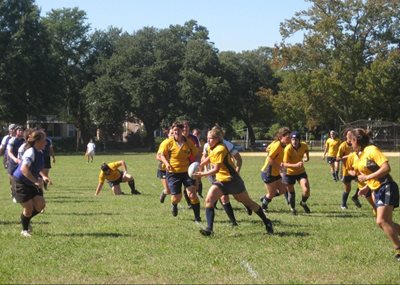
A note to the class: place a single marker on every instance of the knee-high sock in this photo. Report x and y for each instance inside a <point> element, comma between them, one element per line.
<point>263,217</point>
<point>229,211</point>
<point>345,196</point>
<point>292,199</point>
<point>210,213</point>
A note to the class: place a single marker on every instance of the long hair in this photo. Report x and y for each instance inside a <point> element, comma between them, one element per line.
<point>362,136</point>
<point>33,138</point>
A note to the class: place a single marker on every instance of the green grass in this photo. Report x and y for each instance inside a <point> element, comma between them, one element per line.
<point>134,239</point>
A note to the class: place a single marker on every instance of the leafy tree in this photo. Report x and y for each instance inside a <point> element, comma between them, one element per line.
<point>27,70</point>
<point>342,39</point>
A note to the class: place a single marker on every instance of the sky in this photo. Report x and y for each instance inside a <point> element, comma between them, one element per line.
<point>233,25</point>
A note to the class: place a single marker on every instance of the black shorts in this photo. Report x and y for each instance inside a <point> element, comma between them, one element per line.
<point>291,179</point>
<point>116,182</point>
<point>330,159</point>
<point>161,174</point>
<point>387,195</point>
<point>175,181</point>
<point>23,192</point>
<point>235,186</point>
<point>269,178</point>
<point>47,162</point>
<point>349,178</point>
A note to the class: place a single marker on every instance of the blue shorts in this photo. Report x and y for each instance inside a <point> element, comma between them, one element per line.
<point>161,174</point>
<point>330,159</point>
<point>175,181</point>
<point>235,186</point>
<point>267,178</point>
<point>387,195</point>
<point>291,179</point>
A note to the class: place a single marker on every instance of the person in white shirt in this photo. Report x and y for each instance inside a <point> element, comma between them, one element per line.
<point>90,149</point>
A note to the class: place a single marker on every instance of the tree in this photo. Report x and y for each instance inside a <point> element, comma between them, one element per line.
<point>27,70</point>
<point>342,39</point>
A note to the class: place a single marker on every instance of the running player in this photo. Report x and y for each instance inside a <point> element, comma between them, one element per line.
<point>331,147</point>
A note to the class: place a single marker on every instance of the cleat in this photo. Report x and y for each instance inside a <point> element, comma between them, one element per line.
<point>397,256</point>
<point>249,211</point>
<point>162,196</point>
<point>25,234</point>
<point>356,202</point>
<point>294,212</point>
<point>14,200</point>
<point>174,210</point>
<point>206,232</point>
<point>135,192</point>
<point>305,207</point>
<point>343,208</point>
<point>262,198</point>
<point>269,227</point>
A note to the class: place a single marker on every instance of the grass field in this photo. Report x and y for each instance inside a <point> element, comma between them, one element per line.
<point>134,239</point>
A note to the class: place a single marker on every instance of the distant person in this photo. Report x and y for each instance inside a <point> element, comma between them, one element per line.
<point>13,145</point>
<point>90,150</point>
<point>28,180</point>
<point>161,170</point>
<point>331,149</point>
<point>115,176</point>
<point>4,142</point>
<point>373,168</point>
<point>49,157</point>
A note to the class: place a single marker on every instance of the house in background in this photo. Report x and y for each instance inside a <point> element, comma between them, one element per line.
<point>54,127</point>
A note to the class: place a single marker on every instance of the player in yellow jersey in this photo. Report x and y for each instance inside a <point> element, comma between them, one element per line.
<point>331,148</point>
<point>271,170</point>
<point>295,154</point>
<point>227,182</point>
<point>114,176</point>
<point>373,168</point>
<point>344,151</point>
<point>175,154</point>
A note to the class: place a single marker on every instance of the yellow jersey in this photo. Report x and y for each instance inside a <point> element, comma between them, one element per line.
<point>220,155</point>
<point>332,146</point>
<point>344,150</point>
<point>369,161</point>
<point>292,155</point>
<point>275,152</point>
<point>114,172</point>
<point>178,155</point>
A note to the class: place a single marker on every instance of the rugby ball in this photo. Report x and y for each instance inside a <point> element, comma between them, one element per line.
<point>193,168</point>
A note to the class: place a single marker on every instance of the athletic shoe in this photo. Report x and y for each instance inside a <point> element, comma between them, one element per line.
<point>174,210</point>
<point>162,196</point>
<point>249,211</point>
<point>25,234</point>
<point>305,207</point>
<point>262,198</point>
<point>264,205</point>
<point>356,202</point>
<point>343,208</point>
<point>135,192</point>
<point>206,232</point>
<point>234,224</point>
<point>14,200</point>
<point>269,227</point>
<point>397,256</point>
<point>294,212</point>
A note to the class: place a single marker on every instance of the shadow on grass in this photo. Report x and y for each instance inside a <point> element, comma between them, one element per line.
<point>84,214</point>
<point>98,235</point>
<point>12,223</point>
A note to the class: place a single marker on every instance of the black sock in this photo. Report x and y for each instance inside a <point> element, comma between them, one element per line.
<point>210,213</point>
<point>200,189</point>
<point>345,196</point>
<point>132,185</point>
<point>355,196</point>
<point>337,175</point>
<point>292,199</point>
<point>185,194</point>
<point>263,217</point>
<point>25,222</point>
<point>304,198</point>
<point>334,175</point>
<point>196,211</point>
<point>287,197</point>
<point>34,213</point>
<point>229,211</point>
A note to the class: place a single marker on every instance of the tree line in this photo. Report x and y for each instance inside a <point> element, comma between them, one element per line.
<point>346,68</point>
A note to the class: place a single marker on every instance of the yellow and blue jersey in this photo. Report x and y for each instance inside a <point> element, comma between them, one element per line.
<point>178,155</point>
<point>292,156</point>
<point>220,155</point>
<point>275,152</point>
<point>344,150</point>
<point>114,172</point>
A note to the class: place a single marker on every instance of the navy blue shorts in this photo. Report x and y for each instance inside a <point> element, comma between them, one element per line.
<point>387,195</point>
<point>235,186</point>
<point>23,192</point>
<point>47,162</point>
<point>291,179</point>
<point>161,174</point>
<point>330,159</point>
<point>267,178</point>
<point>175,181</point>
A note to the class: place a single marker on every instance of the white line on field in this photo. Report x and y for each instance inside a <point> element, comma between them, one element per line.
<point>249,269</point>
